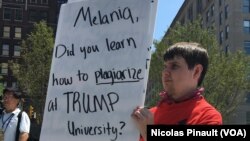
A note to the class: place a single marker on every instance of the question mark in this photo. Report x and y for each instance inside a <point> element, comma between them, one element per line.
<point>123,124</point>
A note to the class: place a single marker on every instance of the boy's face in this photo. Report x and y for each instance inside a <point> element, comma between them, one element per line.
<point>177,79</point>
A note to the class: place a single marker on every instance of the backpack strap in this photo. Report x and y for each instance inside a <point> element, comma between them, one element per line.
<point>1,112</point>
<point>19,116</point>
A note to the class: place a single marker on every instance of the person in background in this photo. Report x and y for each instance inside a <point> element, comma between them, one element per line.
<point>9,117</point>
<point>181,102</point>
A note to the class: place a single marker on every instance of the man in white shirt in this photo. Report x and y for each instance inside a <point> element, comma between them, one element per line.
<point>9,117</point>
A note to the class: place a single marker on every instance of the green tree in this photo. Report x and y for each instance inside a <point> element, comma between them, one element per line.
<point>1,91</point>
<point>227,80</point>
<point>32,71</point>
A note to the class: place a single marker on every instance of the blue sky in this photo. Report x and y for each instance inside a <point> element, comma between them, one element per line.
<point>166,11</point>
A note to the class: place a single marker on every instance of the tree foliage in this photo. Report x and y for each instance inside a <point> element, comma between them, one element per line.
<point>32,72</point>
<point>227,79</point>
<point>1,90</point>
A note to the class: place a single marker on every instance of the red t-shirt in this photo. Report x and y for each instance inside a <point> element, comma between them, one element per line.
<point>194,111</point>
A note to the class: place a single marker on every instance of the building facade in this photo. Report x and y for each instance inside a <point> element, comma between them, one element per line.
<point>231,22</point>
<point>17,18</point>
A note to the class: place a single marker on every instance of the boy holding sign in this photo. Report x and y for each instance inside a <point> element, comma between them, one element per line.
<point>181,101</point>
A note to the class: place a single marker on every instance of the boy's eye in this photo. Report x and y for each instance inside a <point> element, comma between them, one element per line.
<point>174,66</point>
<point>171,67</point>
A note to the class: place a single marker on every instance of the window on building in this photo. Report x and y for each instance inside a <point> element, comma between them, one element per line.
<point>6,31</point>
<point>190,13</point>
<point>5,49</point>
<point>14,84</point>
<point>61,1</point>
<point>207,16</point>
<point>4,83</point>
<point>226,11</point>
<point>7,12</point>
<point>212,10</point>
<point>212,25</point>
<point>227,31</point>
<point>18,14</point>
<point>226,49</point>
<point>221,17</point>
<point>44,1</point>
<point>247,46</point>
<point>208,1</point>
<point>248,97</point>
<point>32,16</point>
<point>246,6</point>
<point>183,21</point>
<point>17,50</point>
<point>19,0</point>
<point>4,68</point>
<point>199,6</point>
<point>43,15</point>
<point>33,1</point>
<point>220,2</point>
<point>248,117</point>
<point>202,22</point>
<point>221,37</point>
<point>246,25</point>
<point>18,32</point>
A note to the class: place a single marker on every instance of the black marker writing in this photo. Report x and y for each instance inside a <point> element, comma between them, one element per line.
<point>116,45</point>
<point>52,105</point>
<point>89,49</point>
<point>105,129</point>
<point>61,81</point>
<point>62,50</point>
<point>86,103</point>
<point>82,76</point>
<point>118,76</point>
<point>147,63</point>
<point>101,19</point>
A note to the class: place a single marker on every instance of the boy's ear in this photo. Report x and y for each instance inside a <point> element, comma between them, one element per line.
<point>197,71</point>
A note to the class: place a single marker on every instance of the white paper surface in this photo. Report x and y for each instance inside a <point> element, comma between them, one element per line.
<point>99,70</point>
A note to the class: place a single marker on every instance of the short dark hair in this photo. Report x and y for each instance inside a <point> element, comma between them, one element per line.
<point>192,52</point>
<point>16,94</point>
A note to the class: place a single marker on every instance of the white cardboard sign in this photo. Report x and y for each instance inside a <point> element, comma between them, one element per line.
<point>99,70</point>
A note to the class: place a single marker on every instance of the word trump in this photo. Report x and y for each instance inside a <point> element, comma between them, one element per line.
<point>87,103</point>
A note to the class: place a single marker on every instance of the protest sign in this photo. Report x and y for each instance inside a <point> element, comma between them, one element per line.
<point>99,70</point>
